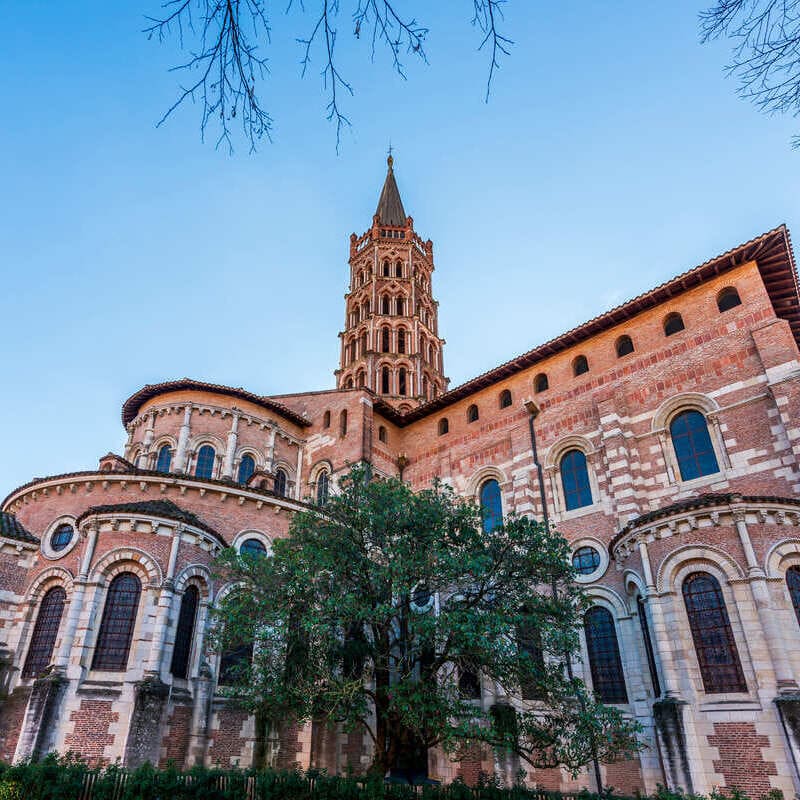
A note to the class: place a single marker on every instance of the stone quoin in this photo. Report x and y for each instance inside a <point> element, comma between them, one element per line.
<point>662,438</point>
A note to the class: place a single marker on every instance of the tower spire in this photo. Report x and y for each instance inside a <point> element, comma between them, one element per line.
<point>390,209</point>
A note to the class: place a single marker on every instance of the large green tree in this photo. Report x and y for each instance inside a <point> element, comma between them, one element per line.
<point>384,611</point>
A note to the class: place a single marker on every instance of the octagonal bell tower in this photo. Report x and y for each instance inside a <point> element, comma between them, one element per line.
<point>390,342</point>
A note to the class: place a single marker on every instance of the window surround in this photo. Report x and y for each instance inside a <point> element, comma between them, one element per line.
<point>662,419</point>
<point>553,468</point>
<point>601,601</point>
<point>596,544</point>
<point>46,548</point>
<point>250,533</point>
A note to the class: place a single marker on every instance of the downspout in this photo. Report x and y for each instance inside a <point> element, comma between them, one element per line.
<point>533,412</point>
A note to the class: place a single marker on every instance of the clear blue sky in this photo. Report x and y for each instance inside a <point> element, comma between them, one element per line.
<point>612,155</point>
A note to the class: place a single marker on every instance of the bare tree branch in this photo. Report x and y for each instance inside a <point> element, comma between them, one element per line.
<point>766,50</point>
<point>226,41</point>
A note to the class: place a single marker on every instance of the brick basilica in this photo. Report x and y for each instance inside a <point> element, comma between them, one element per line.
<point>662,438</point>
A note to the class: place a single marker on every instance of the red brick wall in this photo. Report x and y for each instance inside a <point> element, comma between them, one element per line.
<point>176,737</point>
<point>227,742</point>
<point>741,761</point>
<point>90,735</point>
<point>12,711</point>
<point>624,776</point>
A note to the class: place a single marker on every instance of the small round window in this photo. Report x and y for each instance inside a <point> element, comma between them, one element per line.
<point>586,560</point>
<point>61,537</point>
<point>252,547</point>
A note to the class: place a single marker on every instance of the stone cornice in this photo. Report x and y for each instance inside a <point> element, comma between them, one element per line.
<point>146,484</point>
<point>703,512</point>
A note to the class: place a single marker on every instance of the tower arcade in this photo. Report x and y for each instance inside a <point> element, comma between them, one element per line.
<point>390,342</point>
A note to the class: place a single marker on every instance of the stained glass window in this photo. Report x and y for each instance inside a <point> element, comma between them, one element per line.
<point>322,488</point>
<point>586,560</point>
<point>45,631</point>
<point>713,638</point>
<point>164,460</point>
<point>692,443</point>
<point>793,584</point>
<point>491,505</point>
<point>604,659</point>
<point>117,623</point>
<point>575,480</point>
<point>252,547</point>
<point>204,468</point>
<point>280,483</point>
<point>61,537</point>
<point>247,466</point>
<point>184,632</point>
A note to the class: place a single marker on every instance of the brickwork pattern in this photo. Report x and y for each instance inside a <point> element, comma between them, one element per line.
<point>90,737</point>
<point>741,761</point>
<point>175,744</point>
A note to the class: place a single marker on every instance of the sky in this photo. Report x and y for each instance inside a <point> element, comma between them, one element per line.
<point>612,155</point>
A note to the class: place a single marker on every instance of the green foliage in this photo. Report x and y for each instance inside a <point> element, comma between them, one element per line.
<point>343,626</point>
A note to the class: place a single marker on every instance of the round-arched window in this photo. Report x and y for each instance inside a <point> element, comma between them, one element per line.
<point>586,560</point>
<point>247,466</point>
<point>61,537</point>
<point>252,547</point>
<point>164,460</point>
<point>204,468</point>
<point>322,488</point>
<point>491,505</point>
<point>279,487</point>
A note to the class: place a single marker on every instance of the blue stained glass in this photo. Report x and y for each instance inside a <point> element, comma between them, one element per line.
<point>205,462</point>
<point>491,505</point>
<point>692,444</point>
<point>247,466</point>
<point>575,480</point>
<point>164,460</point>
<point>280,483</point>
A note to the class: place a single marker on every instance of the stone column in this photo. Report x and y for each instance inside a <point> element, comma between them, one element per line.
<point>233,438</point>
<point>179,464</point>
<point>770,626</point>
<point>76,602</point>
<point>298,488</point>
<point>164,609</point>
<point>271,451</point>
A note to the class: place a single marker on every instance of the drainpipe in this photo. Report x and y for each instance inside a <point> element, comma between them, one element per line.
<point>533,412</point>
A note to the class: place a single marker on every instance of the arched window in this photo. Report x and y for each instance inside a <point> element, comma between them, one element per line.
<point>713,638</point>
<point>728,298</point>
<point>540,383</point>
<point>529,644</point>
<point>386,270</point>
<point>505,398</point>
<point>365,309</point>
<point>624,346</point>
<point>279,487</point>
<point>322,488</point>
<point>398,269</point>
<point>692,443</point>
<point>402,388</point>
<point>469,685</point>
<point>348,384</point>
<point>472,413</point>
<point>61,537</point>
<point>363,343</point>
<point>385,305</point>
<point>382,436</point>
<point>673,323</point>
<point>326,419</point>
<point>247,466</point>
<point>353,350</point>
<point>204,468</point>
<point>385,380</point>
<point>444,426</point>
<point>164,460</point>
<point>425,386</point>
<point>580,365</point>
<point>343,423</point>
<point>232,663</point>
<point>360,378</point>
<point>385,343</point>
<point>184,632</point>
<point>252,547</point>
<point>45,631</point>
<point>399,306</point>
<point>117,623</point>
<point>401,340</point>
<point>491,505</point>
<point>608,680</point>
<point>575,480</point>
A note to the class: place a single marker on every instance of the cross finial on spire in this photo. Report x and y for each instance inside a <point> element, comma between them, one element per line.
<point>390,160</point>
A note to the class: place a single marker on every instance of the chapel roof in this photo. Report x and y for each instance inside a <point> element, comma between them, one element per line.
<point>132,405</point>
<point>165,509</point>
<point>11,528</point>
<point>390,207</point>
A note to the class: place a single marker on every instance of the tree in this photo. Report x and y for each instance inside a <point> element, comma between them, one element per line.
<point>383,610</point>
<point>228,62</point>
<point>766,50</point>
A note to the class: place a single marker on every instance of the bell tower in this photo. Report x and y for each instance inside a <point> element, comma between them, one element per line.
<point>390,342</point>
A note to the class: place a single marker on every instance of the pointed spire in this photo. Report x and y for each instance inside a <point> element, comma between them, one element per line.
<point>390,207</point>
